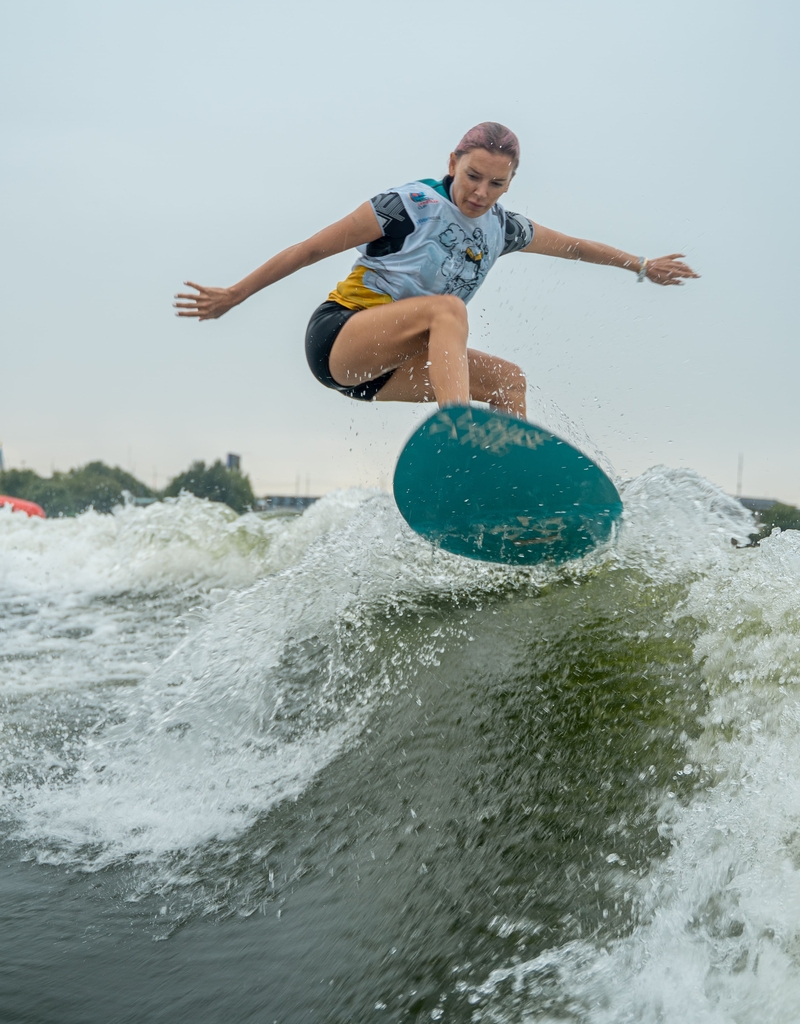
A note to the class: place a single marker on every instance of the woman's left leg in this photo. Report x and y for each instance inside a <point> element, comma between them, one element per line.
<point>491,379</point>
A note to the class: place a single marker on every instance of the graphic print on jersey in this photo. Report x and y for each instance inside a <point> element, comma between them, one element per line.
<point>394,222</point>
<point>518,233</point>
<point>428,247</point>
<point>464,267</point>
<point>388,207</point>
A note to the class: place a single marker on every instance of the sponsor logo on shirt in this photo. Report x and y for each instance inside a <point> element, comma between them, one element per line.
<point>421,199</point>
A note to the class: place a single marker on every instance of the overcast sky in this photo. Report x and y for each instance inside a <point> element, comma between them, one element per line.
<point>146,143</point>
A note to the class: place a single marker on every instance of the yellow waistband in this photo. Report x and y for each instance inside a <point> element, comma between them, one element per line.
<point>353,293</point>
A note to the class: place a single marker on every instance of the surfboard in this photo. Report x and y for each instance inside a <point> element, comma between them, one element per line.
<point>492,487</point>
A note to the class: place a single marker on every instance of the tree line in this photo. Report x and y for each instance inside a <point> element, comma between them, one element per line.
<point>102,487</point>
<point>785,517</point>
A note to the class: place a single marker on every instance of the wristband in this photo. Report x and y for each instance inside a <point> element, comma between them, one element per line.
<point>642,269</point>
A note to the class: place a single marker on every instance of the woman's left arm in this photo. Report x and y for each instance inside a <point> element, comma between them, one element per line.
<point>661,270</point>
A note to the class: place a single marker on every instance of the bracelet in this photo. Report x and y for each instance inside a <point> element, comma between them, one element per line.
<point>642,269</point>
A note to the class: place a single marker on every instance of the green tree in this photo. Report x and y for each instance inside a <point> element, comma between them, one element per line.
<point>786,517</point>
<point>21,483</point>
<point>215,483</point>
<point>94,485</point>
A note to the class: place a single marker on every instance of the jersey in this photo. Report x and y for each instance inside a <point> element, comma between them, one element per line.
<point>429,247</point>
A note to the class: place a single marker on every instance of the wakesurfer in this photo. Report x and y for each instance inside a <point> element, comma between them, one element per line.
<point>396,329</point>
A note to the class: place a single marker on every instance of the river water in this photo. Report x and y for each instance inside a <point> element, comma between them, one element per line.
<point>309,769</point>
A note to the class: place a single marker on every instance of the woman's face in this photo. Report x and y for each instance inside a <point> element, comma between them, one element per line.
<point>479,179</point>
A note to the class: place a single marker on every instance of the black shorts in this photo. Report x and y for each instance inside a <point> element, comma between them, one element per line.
<point>323,327</point>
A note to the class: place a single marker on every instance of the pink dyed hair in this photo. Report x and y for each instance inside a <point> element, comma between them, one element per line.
<point>493,137</point>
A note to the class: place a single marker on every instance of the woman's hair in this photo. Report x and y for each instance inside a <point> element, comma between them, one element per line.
<point>491,136</point>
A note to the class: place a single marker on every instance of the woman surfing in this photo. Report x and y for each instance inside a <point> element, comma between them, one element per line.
<point>396,329</point>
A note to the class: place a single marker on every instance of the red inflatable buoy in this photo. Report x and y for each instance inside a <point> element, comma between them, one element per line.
<point>21,505</point>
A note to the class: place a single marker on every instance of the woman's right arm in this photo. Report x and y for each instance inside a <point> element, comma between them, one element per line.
<point>357,228</point>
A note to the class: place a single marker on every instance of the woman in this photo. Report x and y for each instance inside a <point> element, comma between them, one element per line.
<point>395,330</point>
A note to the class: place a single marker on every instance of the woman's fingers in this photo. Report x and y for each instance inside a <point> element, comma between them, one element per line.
<point>188,296</point>
<point>666,270</point>
<point>206,304</point>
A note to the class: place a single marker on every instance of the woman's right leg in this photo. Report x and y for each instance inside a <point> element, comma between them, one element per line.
<point>382,338</point>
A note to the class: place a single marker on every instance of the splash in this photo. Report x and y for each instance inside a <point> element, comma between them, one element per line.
<point>173,674</point>
<point>174,641</point>
<point>717,938</point>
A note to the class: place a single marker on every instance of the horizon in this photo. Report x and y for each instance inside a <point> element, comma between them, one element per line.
<point>301,486</point>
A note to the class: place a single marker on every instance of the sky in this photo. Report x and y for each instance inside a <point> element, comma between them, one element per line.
<point>144,144</point>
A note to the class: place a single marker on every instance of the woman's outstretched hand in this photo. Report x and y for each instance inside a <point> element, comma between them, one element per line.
<point>669,269</point>
<point>207,304</point>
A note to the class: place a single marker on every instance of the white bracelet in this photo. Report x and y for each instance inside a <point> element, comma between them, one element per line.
<point>642,269</point>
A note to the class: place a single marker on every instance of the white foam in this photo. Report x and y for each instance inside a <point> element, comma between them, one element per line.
<point>719,941</point>
<point>182,541</point>
<point>199,747</point>
<point>197,750</point>
<point>675,522</point>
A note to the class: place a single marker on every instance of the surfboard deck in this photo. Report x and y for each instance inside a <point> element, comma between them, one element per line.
<point>499,489</point>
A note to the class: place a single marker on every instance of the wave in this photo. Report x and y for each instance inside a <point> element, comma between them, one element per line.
<point>717,936</point>
<point>173,675</point>
<point>253,607</point>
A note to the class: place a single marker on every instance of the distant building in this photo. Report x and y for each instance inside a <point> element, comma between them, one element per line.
<point>289,502</point>
<point>758,504</point>
<point>233,462</point>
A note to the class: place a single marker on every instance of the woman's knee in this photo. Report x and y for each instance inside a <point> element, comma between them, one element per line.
<point>491,376</point>
<point>515,378</point>
<point>450,307</point>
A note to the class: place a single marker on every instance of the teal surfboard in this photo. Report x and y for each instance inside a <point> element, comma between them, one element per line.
<point>492,487</point>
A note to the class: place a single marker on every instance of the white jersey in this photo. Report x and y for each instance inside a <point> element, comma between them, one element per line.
<point>429,247</point>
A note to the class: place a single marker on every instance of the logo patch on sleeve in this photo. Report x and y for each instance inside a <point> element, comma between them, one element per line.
<point>420,199</point>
